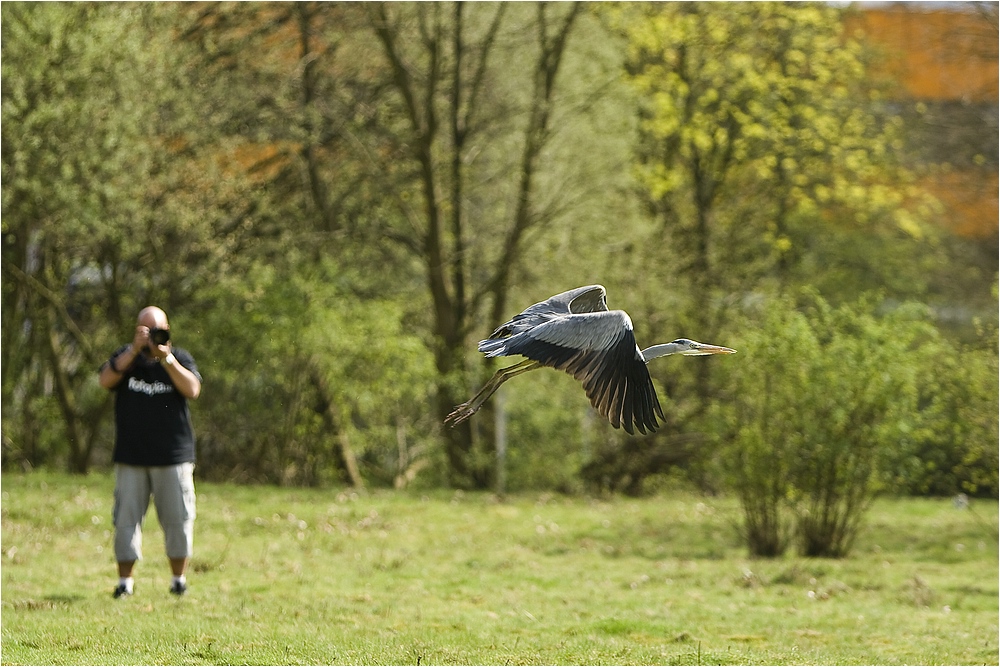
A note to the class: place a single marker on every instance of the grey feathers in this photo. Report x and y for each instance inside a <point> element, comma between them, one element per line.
<point>575,332</point>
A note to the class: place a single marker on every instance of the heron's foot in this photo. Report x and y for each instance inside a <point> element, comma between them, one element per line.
<point>460,414</point>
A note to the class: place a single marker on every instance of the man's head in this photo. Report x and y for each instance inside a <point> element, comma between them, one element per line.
<point>153,318</point>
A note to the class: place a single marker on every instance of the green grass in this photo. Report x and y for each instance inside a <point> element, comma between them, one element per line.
<point>292,576</point>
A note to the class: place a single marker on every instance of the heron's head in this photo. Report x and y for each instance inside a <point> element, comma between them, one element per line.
<point>692,348</point>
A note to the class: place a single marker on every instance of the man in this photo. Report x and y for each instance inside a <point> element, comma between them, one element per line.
<point>154,445</point>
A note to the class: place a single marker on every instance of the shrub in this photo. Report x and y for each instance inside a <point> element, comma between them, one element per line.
<point>953,445</point>
<point>820,400</point>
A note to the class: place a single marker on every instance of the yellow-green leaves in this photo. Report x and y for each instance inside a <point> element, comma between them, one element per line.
<point>757,113</point>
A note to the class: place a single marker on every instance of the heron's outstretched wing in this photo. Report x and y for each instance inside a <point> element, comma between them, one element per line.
<point>597,348</point>
<point>589,299</point>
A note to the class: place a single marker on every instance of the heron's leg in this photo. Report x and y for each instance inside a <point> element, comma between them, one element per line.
<point>469,408</point>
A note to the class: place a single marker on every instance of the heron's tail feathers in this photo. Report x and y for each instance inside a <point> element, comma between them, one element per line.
<point>494,347</point>
<point>497,344</point>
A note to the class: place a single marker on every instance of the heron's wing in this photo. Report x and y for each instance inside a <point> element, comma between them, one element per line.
<point>599,350</point>
<point>588,299</point>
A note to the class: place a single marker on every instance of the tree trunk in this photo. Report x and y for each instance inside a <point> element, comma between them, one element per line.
<point>332,420</point>
<point>79,454</point>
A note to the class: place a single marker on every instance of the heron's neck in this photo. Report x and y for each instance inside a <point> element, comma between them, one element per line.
<point>659,351</point>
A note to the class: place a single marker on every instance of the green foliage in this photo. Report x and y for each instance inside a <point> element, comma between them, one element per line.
<point>75,200</point>
<point>418,139</point>
<point>761,425</point>
<point>248,346</point>
<point>382,375</point>
<point>548,403</point>
<point>341,370</point>
<point>308,576</point>
<point>330,251</point>
<point>105,208</point>
<point>817,410</point>
<point>952,444</point>
<point>771,162</point>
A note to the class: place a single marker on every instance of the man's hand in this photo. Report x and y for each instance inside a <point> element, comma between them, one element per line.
<point>142,342</point>
<point>161,352</point>
<point>141,339</point>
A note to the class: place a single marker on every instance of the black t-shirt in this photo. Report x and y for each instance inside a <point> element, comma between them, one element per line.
<point>152,420</point>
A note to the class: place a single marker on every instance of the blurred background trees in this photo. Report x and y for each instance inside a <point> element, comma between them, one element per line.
<point>334,202</point>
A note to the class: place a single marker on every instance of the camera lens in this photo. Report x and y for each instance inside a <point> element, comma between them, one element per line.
<point>159,336</point>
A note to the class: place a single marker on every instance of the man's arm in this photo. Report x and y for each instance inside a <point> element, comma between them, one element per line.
<point>186,382</point>
<point>113,371</point>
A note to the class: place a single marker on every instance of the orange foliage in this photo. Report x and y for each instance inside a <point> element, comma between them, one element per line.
<point>935,54</point>
<point>261,162</point>
<point>972,203</point>
<point>939,55</point>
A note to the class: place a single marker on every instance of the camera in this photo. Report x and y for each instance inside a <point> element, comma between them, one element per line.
<point>159,336</point>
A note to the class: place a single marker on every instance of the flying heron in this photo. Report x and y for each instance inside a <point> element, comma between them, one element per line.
<point>575,332</point>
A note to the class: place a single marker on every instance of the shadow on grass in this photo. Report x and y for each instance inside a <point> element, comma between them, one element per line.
<point>46,603</point>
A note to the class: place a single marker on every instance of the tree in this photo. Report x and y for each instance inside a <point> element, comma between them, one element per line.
<point>441,84</point>
<point>70,153</point>
<point>106,208</point>
<point>758,126</point>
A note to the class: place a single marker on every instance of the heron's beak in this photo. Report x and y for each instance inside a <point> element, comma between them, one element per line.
<point>703,348</point>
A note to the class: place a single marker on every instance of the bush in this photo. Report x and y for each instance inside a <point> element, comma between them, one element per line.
<point>953,445</point>
<point>821,399</point>
<point>292,393</point>
<point>763,425</point>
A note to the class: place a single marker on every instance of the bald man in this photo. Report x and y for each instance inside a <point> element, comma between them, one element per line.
<point>154,445</point>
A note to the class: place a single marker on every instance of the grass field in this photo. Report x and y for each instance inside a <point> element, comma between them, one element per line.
<point>292,576</point>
